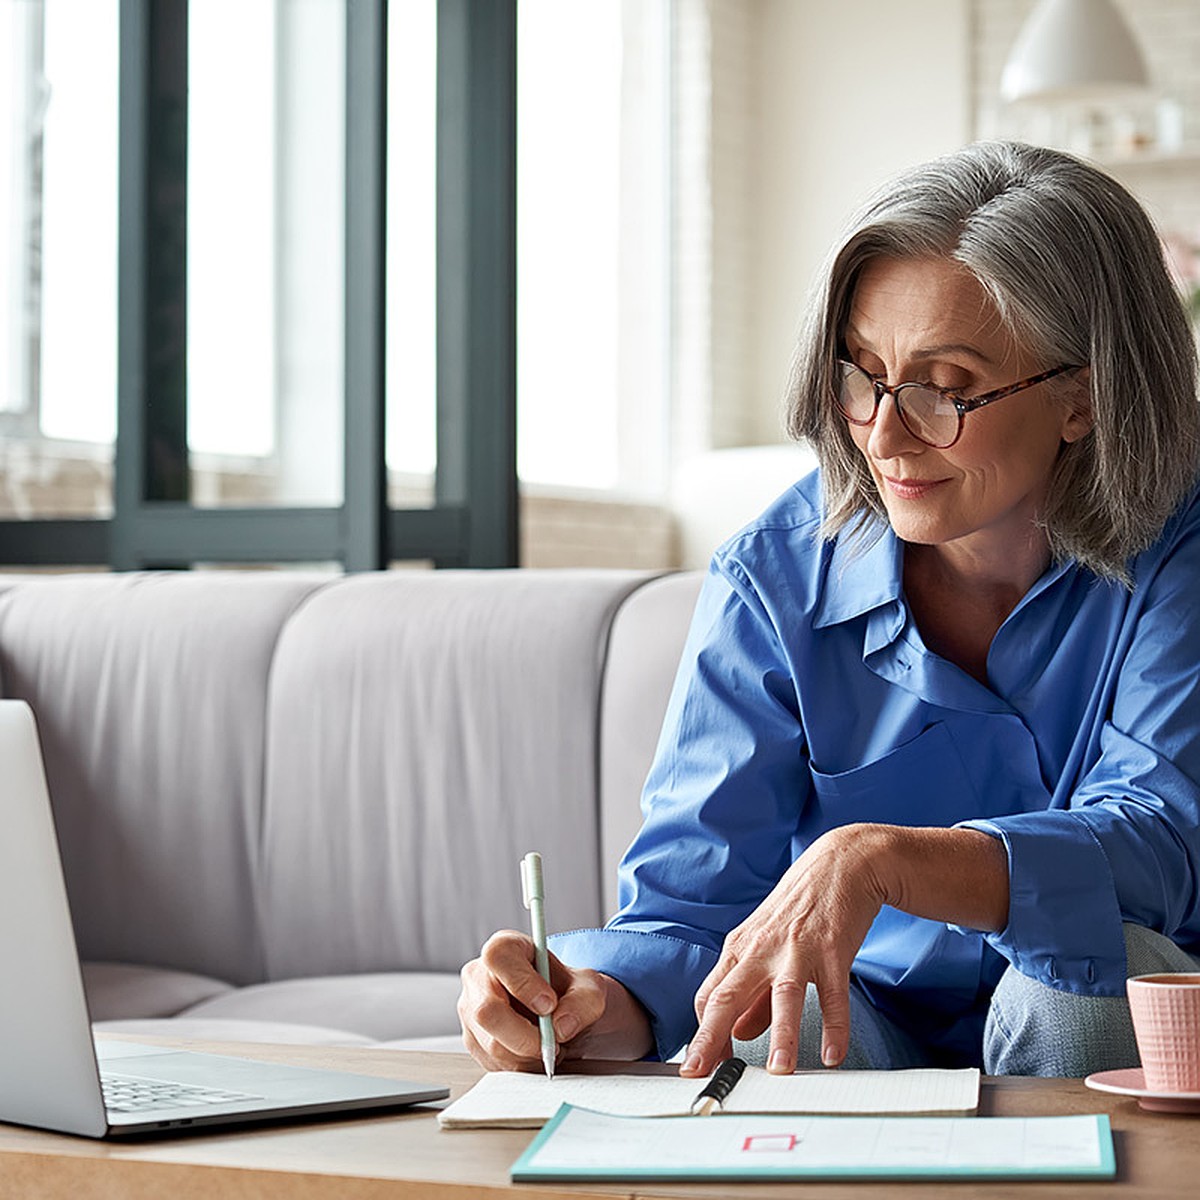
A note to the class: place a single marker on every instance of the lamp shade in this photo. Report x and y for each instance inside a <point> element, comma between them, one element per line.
<point>1074,50</point>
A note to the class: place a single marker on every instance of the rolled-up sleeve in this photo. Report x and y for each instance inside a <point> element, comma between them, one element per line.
<point>720,811</point>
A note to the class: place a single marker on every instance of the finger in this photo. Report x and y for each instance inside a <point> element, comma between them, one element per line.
<point>716,976</point>
<point>509,957</point>
<point>581,1001</point>
<point>485,1009</point>
<point>787,1010</point>
<point>754,1020</point>
<point>733,996</point>
<point>835,1019</point>
<point>493,1057</point>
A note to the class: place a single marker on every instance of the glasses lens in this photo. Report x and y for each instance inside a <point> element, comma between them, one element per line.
<point>855,392</point>
<point>928,416</point>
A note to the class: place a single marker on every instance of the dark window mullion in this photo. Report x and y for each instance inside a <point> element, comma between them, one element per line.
<point>151,456</point>
<point>365,482</point>
<point>476,274</point>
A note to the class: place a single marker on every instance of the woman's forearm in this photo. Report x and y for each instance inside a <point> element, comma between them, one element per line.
<point>959,876</point>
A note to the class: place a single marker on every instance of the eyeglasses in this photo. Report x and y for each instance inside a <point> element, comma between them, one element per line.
<point>932,415</point>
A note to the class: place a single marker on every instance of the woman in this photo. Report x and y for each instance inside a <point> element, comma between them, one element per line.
<point>928,787</point>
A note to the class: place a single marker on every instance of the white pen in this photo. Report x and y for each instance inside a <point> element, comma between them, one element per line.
<point>533,896</point>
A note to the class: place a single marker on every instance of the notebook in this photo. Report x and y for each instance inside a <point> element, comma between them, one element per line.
<point>52,1066</point>
<point>522,1100</point>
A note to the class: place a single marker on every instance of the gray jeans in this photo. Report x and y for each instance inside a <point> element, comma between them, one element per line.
<point>1031,1029</point>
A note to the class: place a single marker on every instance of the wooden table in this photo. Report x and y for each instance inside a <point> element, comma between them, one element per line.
<point>406,1154</point>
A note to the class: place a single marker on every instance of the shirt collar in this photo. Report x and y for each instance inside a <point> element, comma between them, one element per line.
<point>863,573</point>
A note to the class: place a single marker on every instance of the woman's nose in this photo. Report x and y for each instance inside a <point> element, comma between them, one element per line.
<point>889,436</point>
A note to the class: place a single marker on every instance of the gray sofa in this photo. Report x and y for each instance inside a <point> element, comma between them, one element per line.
<point>291,806</point>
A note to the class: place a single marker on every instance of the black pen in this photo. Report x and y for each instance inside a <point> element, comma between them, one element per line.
<point>717,1089</point>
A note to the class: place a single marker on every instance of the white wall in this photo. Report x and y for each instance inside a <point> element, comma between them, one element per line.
<point>833,117</point>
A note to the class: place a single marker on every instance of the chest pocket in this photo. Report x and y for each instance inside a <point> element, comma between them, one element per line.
<point>922,782</point>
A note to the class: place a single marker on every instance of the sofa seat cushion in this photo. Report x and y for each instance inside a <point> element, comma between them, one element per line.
<point>381,1006</point>
<point>216,1029</point>
<point>119,990</point>
<point>445,1043</point>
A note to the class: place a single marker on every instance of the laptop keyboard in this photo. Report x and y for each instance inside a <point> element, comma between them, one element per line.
<point>128,1093</point>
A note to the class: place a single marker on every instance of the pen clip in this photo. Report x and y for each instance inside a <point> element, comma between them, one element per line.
<point>532,887</point>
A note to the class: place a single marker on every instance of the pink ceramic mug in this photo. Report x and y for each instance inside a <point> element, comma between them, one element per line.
<point>1166,1021</point>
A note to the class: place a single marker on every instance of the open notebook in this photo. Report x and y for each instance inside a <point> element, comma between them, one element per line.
<point>524,1101</point>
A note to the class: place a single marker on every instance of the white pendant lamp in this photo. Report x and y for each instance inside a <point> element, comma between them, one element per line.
<point>1074,50</point>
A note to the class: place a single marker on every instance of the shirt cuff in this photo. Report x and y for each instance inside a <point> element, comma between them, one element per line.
<point>661,971</point>
<point>1064,922</point>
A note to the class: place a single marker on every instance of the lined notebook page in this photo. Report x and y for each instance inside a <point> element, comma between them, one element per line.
<point>867,1092</point>
<point>520,1100</point>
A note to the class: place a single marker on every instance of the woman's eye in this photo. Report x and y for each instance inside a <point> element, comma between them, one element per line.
<point>950,381</point>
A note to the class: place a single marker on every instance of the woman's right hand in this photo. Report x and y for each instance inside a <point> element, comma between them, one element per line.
<point>502,996</point>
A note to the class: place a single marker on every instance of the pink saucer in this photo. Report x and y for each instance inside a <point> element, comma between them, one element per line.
<point>1131,1082</point>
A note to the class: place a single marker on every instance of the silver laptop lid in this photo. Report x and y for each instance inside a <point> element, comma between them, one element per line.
<point>49,1077</point>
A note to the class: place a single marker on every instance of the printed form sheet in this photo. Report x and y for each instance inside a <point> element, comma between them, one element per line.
<point>584,1144</point>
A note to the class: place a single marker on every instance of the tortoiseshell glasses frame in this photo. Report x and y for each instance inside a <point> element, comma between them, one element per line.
<point>928,413</point>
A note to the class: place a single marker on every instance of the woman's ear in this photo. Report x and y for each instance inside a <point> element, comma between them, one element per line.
<point>1077,406</point>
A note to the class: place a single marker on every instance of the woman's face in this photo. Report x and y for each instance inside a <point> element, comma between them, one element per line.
<point>927,320</point>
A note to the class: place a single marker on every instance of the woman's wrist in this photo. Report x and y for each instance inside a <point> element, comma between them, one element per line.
<point>955,875</point>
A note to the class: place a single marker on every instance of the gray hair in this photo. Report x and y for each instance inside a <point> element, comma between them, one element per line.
<point>1077,273</point>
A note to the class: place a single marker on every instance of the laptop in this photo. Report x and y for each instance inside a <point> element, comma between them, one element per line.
<point>53,1074</point>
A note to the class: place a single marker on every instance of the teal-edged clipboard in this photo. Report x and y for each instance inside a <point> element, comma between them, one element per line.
<point>578,1144</point>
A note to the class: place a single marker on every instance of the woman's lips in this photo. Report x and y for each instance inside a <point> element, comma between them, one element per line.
<point>911,489</point>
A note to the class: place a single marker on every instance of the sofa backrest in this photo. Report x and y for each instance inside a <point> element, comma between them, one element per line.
<point>647,640</point>
<point>425,732</point>
<point>150,695</point>
<point>264,775</point>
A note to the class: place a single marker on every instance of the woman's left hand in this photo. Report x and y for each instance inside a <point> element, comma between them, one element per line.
<point>810,927</point>
<point>807,930</point>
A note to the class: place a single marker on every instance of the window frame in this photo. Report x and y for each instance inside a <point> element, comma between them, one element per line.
<point>474,518</point>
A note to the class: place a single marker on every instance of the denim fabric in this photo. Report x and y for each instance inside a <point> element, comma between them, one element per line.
<point>876,1042</point>
<point>1033,1029</point>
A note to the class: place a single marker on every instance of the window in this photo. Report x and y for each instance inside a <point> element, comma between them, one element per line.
<point>266,187</point>
<point>593,163</point>
<point>265,208</point>
<point>58,257</point>
<point>411,240</point>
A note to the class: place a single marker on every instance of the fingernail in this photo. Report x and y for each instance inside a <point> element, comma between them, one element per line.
<point>543,1005</point>
<point>778,1063</point>
<point>566,1028</point>
<point>829,1056</point>
<point>692,1063</point>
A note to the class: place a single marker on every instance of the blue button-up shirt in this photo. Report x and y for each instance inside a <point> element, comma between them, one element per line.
<point>806,700</point>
